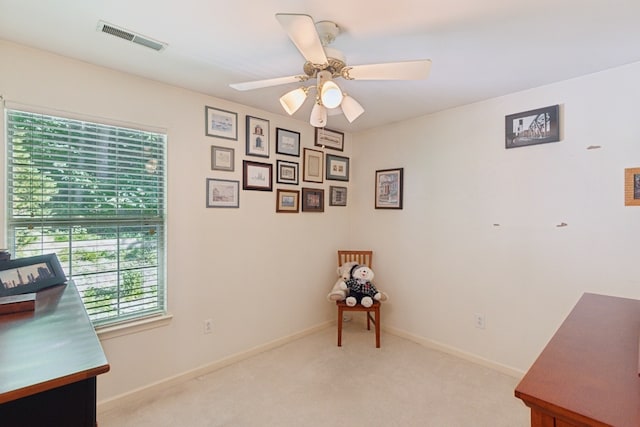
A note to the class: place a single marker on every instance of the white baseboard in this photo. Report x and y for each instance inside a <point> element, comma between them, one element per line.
<point>149,391</point>
<point>508,370</point>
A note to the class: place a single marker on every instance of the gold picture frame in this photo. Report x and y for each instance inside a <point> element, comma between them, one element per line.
<point>632,187</point>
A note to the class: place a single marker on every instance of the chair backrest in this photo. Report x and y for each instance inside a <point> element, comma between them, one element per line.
<point>361,257</point>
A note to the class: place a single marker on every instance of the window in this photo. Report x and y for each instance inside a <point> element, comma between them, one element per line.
<point>94,194</point>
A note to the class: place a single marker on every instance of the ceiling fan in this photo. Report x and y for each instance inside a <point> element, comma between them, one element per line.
<point>324,64</point>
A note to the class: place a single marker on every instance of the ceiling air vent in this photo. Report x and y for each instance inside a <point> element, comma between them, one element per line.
<point>107,28</point>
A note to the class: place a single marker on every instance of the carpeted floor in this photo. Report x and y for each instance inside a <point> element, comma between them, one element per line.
<point>312,382</point>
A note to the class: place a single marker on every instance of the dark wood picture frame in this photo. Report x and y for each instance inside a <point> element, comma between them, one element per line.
<point>388,186</point>
<point>257,137</point>
<point>30,274</point>
<point>533,127</point>
<point>287,201</point>
<point>313,166</point>
<point>257,176</point>
<point>327,138</point>
<point>312,200</point>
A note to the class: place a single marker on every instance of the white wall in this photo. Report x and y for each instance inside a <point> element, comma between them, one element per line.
<point>441,259</point>
<point>259,275</point>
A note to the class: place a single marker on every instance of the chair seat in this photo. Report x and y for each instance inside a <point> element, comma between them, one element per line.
<point>375,309</point>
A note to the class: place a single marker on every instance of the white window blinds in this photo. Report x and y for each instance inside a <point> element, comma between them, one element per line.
<point>95,195</point>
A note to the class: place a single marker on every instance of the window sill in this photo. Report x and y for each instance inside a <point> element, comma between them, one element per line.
<point>133,327</point>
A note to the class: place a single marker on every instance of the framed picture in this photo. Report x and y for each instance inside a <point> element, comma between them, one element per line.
<point>287,172</point>
<point>389,188</point>
<point>31,274</point>
<point>223,193</point>
<point>312,168</point>
<point>257,137</point>
<point>337,196</point>
<point>632,187</point>
<point>287,142</point>
<point>328,138</point>
<point>337,167</point>
<point>221,123</point>
<point>257,176</point>
<point>312,200</point>
<point>532,127</point>
<point>287,201</point>
<point>222,158</point>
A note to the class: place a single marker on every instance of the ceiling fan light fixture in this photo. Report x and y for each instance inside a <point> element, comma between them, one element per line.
<point>293,100</point>
<point>351,108</point>
<point>331,94</point>
<point>318,117</point>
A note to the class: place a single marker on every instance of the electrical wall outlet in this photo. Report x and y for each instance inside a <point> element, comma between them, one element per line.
<point>208,326</point>
<point>478,320</point>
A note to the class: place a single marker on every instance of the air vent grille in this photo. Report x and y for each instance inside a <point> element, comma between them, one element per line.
<point>130,36</point>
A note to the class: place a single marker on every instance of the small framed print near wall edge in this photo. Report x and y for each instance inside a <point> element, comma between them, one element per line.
<point>632,187</point>
<point>223,193</point>
<point>222,158</point>
<point>221,123</point>
<point>389,184</point>
<point>337,196</point>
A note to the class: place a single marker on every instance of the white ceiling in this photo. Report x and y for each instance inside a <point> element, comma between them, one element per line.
<point>480,48</point>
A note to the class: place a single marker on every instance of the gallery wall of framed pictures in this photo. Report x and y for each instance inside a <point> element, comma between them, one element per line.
<point>300,169</point>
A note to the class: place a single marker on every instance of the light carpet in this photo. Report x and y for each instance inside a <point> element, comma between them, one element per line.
<point>312,382</point>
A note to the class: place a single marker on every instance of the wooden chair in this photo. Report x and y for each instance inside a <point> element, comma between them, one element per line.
<point>366,258</point>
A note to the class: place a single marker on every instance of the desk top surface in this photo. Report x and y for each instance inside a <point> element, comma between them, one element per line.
<point>589,369</point>
<point>54,345</point>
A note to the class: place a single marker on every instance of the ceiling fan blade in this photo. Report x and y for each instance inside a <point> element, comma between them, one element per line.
<point>409,70</point>
<point>302,32</point>
<point>257,84</point>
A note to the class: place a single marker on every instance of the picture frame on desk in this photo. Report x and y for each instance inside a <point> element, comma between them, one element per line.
<point>30,274</point>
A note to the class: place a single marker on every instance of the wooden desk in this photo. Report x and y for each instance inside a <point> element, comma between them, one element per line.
<point>49,360</point>
<point>588,373</point>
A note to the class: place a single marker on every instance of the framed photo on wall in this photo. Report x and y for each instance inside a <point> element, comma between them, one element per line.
<point>327,138</point>
<point>286,172</point>
<point>222,158</point>
<point>221,123</point>
<point>533,127</point>
<point>257,137</point>
<point>312,200</point>
<point>337,167</point>
<point>313,165</point>
<point>287,201</point>
<point>632,187</point>
<point>389,188</point>
<point>223,193</point>
<point>287,142</point>
<point>257,176</point>
<point>337,196</point>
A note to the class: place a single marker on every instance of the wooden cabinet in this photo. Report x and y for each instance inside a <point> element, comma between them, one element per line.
<point>49,360</point>
<point>587,375</point>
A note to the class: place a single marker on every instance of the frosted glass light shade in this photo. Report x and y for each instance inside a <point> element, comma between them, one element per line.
<point>318,117</point>
<point>351,108</point>
<point>292,101</point>
<point>331,95</point>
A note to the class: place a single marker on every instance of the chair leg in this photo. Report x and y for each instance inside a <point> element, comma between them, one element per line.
<point>339,326</point>
<point>368,313</point>
<point>377,325</point>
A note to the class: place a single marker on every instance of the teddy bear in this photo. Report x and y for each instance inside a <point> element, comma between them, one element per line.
<point>360,287</point>
<point>339,290</point>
